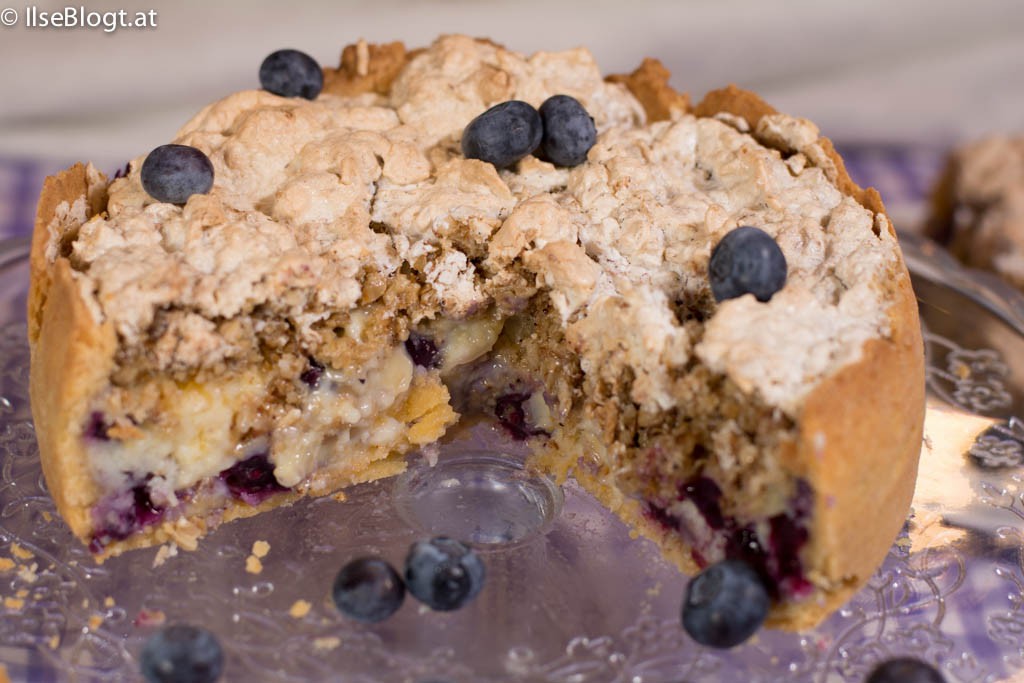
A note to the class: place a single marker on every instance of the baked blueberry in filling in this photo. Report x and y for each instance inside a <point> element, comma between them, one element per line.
<point>123,514</point>
<point>119,516</point>
<point>311,375</point>
<point>771,547</point>
<point>252,480</point>
<point>97,427</point>
<point>423,351</point>
<point>511,412</point>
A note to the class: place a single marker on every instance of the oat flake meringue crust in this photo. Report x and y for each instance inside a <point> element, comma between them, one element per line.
<point>351,284</point>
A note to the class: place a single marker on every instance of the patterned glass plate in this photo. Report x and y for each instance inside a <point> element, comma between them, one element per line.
<point>570,596</point>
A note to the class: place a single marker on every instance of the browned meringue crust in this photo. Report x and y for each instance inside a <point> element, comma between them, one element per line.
<point>863,484</point>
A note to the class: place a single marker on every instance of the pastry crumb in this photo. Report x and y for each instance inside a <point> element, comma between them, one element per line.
<point>108,601</point>
<point>339,497</point>
<point>300,609</point>
<point>327,643</point>
<point>54,643</point>
<point>95,621</point>
<point>47,517</point>
<point>20,552</point>
<point>260,549</point>
<point>164,553</point>
<point>13,603</point>
<point>21,593</point>
<point>28,573</point>
<point>7,564</point>
<point>253,565</point>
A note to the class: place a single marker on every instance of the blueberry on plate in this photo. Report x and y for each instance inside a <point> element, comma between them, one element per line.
<point>443,573</point>
<point>746,261</point>
<point>569,131</point>
<point>291,73</point>
<point>725,604</point>
<point>182,654</point>
<point>173,173</point>
<point>368,590</point>
<point>503,134</point>
<point>905,670</point>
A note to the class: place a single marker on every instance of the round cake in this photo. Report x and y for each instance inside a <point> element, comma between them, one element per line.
<point>352,284</point>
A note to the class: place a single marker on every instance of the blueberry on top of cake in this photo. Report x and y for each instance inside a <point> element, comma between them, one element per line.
<point>353,281</point>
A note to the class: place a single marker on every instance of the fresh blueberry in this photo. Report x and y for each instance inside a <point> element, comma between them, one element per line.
<point>182,654</point>
<point>173,173</point>
<point>443,573</point>
<point>368,590</point>
<point>905,670</point>
<point>423,351</point>
<point>746,261</point>
<point>569,131</point>
<point>725,604</point>
<point>503,134</point>
<point>290,73</point>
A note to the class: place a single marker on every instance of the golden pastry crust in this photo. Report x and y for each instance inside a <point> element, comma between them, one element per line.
<point>649,84</point>
<point>880,393</point>
<point>70,356</point>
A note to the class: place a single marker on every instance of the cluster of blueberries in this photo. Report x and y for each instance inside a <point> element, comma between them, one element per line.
<point>724,606</point>
<point>442,573</point>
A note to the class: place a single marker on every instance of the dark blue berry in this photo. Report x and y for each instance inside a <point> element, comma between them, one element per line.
<point>503,134</point>
<point>252,480</point>
<point>725,604</point>
<point>311,375</point>
<point>905,670</point>
<point>173,173</point>
<point>182,654</point>
<point>569,131</point>
<point>368,590</point>
<point>443,573</point>
<point>290,73</point>
<point>746,261</point>
<point>423,351</point>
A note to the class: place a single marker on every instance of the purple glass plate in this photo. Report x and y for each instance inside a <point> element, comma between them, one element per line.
<point>570,596</point>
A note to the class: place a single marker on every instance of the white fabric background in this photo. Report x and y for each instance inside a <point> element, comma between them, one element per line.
<point>914,71</point>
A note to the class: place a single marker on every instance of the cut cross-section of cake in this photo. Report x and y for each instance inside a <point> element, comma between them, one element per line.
<point>352,283</point>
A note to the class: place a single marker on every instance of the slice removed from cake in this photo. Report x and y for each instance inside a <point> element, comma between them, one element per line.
<point>352,283</point>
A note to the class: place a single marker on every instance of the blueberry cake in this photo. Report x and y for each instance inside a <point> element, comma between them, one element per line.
<point>978,206</point>
<point>354,265</point>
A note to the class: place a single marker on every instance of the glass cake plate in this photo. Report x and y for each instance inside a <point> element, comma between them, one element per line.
<point>570,596</point>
